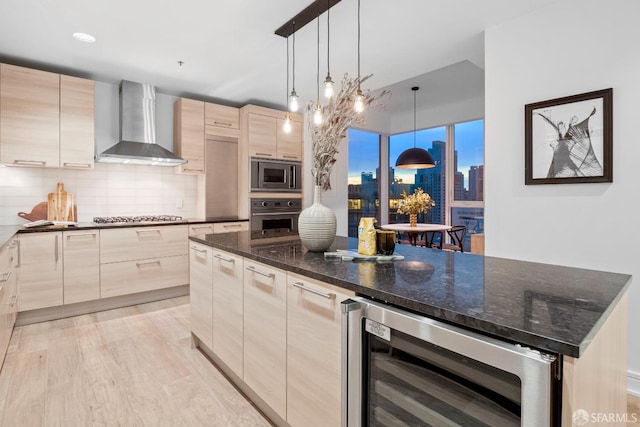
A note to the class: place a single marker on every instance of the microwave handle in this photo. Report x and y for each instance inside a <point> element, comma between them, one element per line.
<point>292,179</point>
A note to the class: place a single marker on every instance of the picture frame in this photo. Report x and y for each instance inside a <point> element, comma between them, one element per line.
<point>569,140</point>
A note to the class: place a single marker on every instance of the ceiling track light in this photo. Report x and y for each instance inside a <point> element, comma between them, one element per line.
<point>415,158</point>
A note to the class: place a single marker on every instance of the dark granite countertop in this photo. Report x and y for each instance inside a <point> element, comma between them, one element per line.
<point>552,308</point>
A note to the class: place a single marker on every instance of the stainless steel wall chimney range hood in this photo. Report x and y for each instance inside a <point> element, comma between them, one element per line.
<point>137,144</point>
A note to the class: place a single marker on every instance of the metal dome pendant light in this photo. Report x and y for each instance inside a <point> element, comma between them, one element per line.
<point>286,126</point>
<point>328,82</point>
<point>317,111</point>
<point>293,98</point>
<point>415,158</point>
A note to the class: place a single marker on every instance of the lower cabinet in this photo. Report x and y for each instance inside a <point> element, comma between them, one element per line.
<point>265,334</point>
<point>228,309</point>
<point>314,348</point>
<point>81,251</point>
<point>8,296</point>
<point>201,292</point>
<point>40,270</point>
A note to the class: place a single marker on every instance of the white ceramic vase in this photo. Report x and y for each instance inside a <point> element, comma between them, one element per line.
<point>317,224</point>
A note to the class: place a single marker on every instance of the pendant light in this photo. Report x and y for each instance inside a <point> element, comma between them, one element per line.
<point>293,98</point>
<point>286,126</point>
<point>358,101</point>
<point>328,82</point>
<point>415,158</point>
<point>317,112</point>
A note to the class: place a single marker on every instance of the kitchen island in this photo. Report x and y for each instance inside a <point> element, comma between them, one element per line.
<point>577,314</point>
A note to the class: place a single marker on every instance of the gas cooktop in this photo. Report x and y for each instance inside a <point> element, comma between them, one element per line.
<point>140,218</point>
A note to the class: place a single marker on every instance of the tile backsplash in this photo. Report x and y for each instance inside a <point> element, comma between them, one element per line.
<point>107,190</point>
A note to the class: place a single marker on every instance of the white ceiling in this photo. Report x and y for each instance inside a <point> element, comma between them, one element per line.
<point>230,52</point>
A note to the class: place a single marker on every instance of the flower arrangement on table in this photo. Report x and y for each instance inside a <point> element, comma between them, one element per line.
<point>415,203</point>
<point>337,117</point>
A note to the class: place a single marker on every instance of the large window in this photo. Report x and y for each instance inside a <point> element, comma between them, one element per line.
<point>364,185</point>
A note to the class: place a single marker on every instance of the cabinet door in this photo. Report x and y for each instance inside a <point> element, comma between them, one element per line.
<point>29,117</point>
<point>7,298</point>
<point>201,292</point>
<point>313,352</point>
<point>265,334</point>
<point>220,118</point>
<point>81,266</point>
<point>290,144</point>
<point>188,134</point>
<point>228,227</point>
<point>77,124</point>
<point>262,136</point>
<point>200,229</point>
<point>228,309</point>
<point>40,270</point>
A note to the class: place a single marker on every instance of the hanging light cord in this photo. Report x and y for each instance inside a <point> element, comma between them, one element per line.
<point>287,97</point>
<point>318,66</point>
<point>328,9</point>
<point>293,81</point>
<point>414,118</point>
<point>358,43</point>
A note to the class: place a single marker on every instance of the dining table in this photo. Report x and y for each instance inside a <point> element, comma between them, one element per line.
<point>413,232</point>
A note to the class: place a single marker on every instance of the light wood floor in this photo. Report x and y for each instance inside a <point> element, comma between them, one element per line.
<point>132,366</point>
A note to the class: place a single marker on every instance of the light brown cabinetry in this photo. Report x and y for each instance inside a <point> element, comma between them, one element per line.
<point>265,337</point>
<point>142,259</point>
<point>313,352</point>
<point>221,120</point>
<point>40,270</point>
<point>29,117</point>
<point>77,129</point>
<point>8,296</point>
<point>201,292</point>
<point>81,276</point>
<point>228,310</point>
<point>290,144</point>
<point>228,227</point>
<point>267,138</point>
<point>188,134</point>
<point>46,119</point>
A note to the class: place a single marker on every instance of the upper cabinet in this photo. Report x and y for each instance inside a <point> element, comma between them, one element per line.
<point>29,117</point>
<point>46,119</point>
<point>77,124</point>
<point>194,121</point>
<point>188,134</point>
<point>265,136</point>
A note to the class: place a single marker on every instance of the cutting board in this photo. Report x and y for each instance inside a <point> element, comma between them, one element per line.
<point>60,205</point>
<point>38,212</point>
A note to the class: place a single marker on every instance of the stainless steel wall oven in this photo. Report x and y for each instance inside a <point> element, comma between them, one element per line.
<point>405,369</point>
<point>274,217</point>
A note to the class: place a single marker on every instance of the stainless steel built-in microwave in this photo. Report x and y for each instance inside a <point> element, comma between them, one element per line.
<point>275,175</point>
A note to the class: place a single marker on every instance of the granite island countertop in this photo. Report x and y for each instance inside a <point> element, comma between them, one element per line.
<point>552,308</point>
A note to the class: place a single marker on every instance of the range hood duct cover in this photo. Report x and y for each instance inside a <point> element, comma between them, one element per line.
<point>138,130</point>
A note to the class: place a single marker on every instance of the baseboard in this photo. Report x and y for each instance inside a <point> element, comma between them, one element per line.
<point>633,383</point>
<point>70,310</point>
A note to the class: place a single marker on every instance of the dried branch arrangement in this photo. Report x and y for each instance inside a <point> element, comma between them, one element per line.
<point>337,117</point>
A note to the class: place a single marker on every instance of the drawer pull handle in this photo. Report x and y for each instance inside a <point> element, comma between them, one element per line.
<point>269,275</point>
<point>290,157</point>
<point>13,300</point>
<point>140,264</point>
<point>201,228</point>
<point>326,295</point>
<point>264,154</point>
<point>30,162</point>
<point>223,123</point>
<point>232,225</point>
<point>220,257</point>
<point>193,170</point>
<point>69,236</point>
<point>198,250</point>
<point>5,278</point>
<point>151,230</point>
<point>77,165</point>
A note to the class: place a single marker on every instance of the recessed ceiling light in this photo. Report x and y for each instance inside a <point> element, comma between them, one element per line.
<point>84,37</point>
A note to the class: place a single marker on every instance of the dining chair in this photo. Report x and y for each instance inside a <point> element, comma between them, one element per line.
<point>456,233</point>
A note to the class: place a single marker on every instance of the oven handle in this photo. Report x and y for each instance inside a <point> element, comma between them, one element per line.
<point>274,213</point>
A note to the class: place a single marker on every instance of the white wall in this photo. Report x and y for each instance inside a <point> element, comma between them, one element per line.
<point>571,47</point>
<point>109,189</point>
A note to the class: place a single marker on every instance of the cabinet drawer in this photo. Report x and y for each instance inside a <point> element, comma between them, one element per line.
<point>127,244</point>
<point>123,278</point>
<point>200,229</point>
<point>227,227</point>
<point>81,257</point>
<point>221,116</point>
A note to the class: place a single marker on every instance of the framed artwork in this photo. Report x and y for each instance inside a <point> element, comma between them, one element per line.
<point>569,140</point>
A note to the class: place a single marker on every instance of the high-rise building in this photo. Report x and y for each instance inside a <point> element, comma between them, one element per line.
<point>476,182</point>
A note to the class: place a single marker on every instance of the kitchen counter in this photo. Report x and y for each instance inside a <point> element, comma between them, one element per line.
<point>552,308</point>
